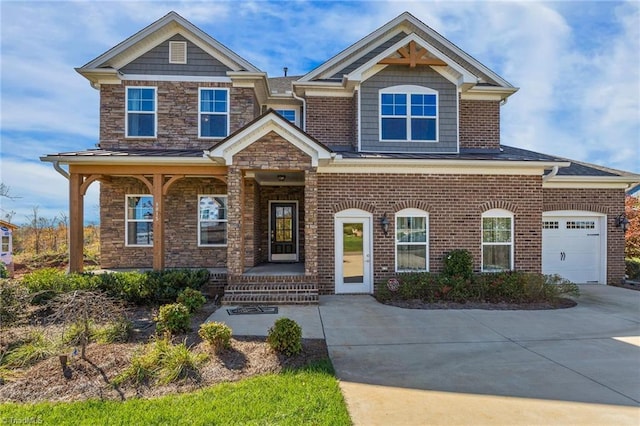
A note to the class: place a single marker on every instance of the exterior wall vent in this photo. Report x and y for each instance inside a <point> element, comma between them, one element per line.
<point>177,52</point>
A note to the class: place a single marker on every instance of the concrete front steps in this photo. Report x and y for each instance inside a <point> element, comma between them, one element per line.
<point>271,293</point>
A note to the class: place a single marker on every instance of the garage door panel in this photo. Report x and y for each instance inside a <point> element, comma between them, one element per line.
<point>571,248</point>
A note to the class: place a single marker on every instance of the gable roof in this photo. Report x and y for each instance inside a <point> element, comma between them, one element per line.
<point>401,30</point>
<point>154,34</point>
<point>268,122</point>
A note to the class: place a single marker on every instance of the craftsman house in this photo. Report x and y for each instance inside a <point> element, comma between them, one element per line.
<point>380,160</point>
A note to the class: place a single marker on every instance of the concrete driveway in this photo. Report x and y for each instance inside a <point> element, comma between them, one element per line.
<point>570,366</point>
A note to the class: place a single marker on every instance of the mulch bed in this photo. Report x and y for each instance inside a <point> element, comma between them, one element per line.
<point>562,303</point>
<point>91,379</point>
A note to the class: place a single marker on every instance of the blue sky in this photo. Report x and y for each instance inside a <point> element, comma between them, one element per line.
<point>577,65</point>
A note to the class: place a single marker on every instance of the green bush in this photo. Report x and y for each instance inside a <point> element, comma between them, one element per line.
<point>4,272</point>
<point>285,336</point>
<point>632,268</point>
<point>173,318</point>
<point>46,283</point>
<point>13,298</point>
<point>162,361</point>
<point>36,348</point>
<point>458,263</point>
<point>192,299</point>
<point>114,332</point>
<point>216,334</point>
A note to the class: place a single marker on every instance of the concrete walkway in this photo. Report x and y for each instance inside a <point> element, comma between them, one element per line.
<point>469,367</point>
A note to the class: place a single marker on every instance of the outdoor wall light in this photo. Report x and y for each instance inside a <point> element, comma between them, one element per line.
<point>622,222</point>
<point>281,178</point>
<point>384,223</point>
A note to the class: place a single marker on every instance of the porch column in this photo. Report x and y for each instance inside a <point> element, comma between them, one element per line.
<point>311,222</point>
<point>76,223</point>
<point>235,234</point>
<point>158,222</point>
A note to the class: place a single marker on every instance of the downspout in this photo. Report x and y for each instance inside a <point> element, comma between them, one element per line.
<point>552,173</point>
<point>63,172</point>
<point>304,109</point>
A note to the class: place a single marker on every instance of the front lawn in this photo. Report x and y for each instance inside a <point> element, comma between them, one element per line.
<point>305,396</point>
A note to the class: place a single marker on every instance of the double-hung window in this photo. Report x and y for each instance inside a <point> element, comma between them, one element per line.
<point>409,113</point>
<point>214,113</point>
<point>212,220</point>
<point>139,220</point>
<point>6,244</point>
<point>412,240</point>
<point>497,240</point>
<point>141,112</point>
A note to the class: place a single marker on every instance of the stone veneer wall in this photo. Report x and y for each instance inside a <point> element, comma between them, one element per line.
<point>177,111</point>
<point>455,204</point>
<point>607,201</point>
<point>181,225</point>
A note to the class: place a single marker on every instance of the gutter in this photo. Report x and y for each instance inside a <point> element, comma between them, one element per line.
<point>551,174</point>
<point>59,169</point>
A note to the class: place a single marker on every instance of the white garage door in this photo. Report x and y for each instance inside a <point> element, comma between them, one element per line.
<point>572,248</point>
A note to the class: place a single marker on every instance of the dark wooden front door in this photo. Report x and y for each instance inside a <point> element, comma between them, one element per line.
<point>284,232</point>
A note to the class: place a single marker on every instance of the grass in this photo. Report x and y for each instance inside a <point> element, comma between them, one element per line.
<point>305,396</point>
<point>352,243</point>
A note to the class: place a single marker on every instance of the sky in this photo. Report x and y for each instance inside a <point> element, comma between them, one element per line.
<point>577,64</point>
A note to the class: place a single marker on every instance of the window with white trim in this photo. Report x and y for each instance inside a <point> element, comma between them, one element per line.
<point>141,112</point>
<point>409,113</point>
<point>212,220</point>
<point>412,240</point>
<point>213,113</point>
<point>497,240</point>
<point>289,114</point>
<point>6,244</point>
<point>139,220</point>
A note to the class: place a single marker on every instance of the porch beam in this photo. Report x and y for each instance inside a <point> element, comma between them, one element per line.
<point>76,223</point>
<point>124,170</point>
<point>158,222</point>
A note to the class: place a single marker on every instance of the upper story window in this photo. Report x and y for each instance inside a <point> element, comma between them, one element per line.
<point>289,114</point>
<point>497,240</point>
<point>214,113</point>
<point>409,113</point>
<point>412,240</point>
<point>141,112</point>
<point>139,220</point>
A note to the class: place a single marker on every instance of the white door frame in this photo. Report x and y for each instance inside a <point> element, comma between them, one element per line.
<point>602,223</point>
<point>285,258</point>
<point>348,216</point>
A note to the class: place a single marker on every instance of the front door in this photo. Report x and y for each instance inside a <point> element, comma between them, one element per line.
<point>283,231</point>
<point>353,254</point>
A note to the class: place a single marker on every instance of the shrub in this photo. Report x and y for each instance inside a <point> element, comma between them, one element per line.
<point>115,332</point>
<point>285,336</point>
<point>4,272</point>
<point>192,299</point>
<point>45,283</point>
<point>173,318</point>
<point>216,334</point>
<point>13,297</point>
<point>632,269</point>
<point>458,263</point>
<point>162,361</point>
<point>36,348</point>
<point>130,286</point>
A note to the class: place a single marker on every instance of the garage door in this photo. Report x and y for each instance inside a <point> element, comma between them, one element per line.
<point>572,248</point>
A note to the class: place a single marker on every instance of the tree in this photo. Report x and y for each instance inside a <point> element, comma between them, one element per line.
<point>632,236</point>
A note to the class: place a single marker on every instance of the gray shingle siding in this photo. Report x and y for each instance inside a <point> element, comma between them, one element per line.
<point>156,62</point>
<point>422,76</point>
<point>370,55</point>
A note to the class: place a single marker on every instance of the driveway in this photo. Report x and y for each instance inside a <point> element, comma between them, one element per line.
<point>570,366</point>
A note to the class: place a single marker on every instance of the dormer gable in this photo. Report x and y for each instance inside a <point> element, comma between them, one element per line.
<point>171,45</point>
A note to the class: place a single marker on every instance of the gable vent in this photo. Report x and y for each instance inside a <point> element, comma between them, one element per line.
<point>177,52</point>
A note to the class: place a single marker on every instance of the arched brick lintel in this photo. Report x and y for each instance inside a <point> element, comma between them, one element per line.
<point>498,204</point>
<point>576,206</point>
<point>354,204</point>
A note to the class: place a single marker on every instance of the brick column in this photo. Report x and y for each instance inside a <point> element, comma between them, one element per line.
<point>311,222</point>
<point>250,217</point>
<point>235,245</point>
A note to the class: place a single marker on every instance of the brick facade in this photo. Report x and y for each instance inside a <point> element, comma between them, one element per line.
<point>454,203</point>
<point>181,225</point>
<point>331,120</point>
<point>479,124</point>
<point>606,201</point>
<point>177,110</point>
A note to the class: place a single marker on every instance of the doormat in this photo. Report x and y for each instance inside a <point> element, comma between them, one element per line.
<point>249,310</point>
